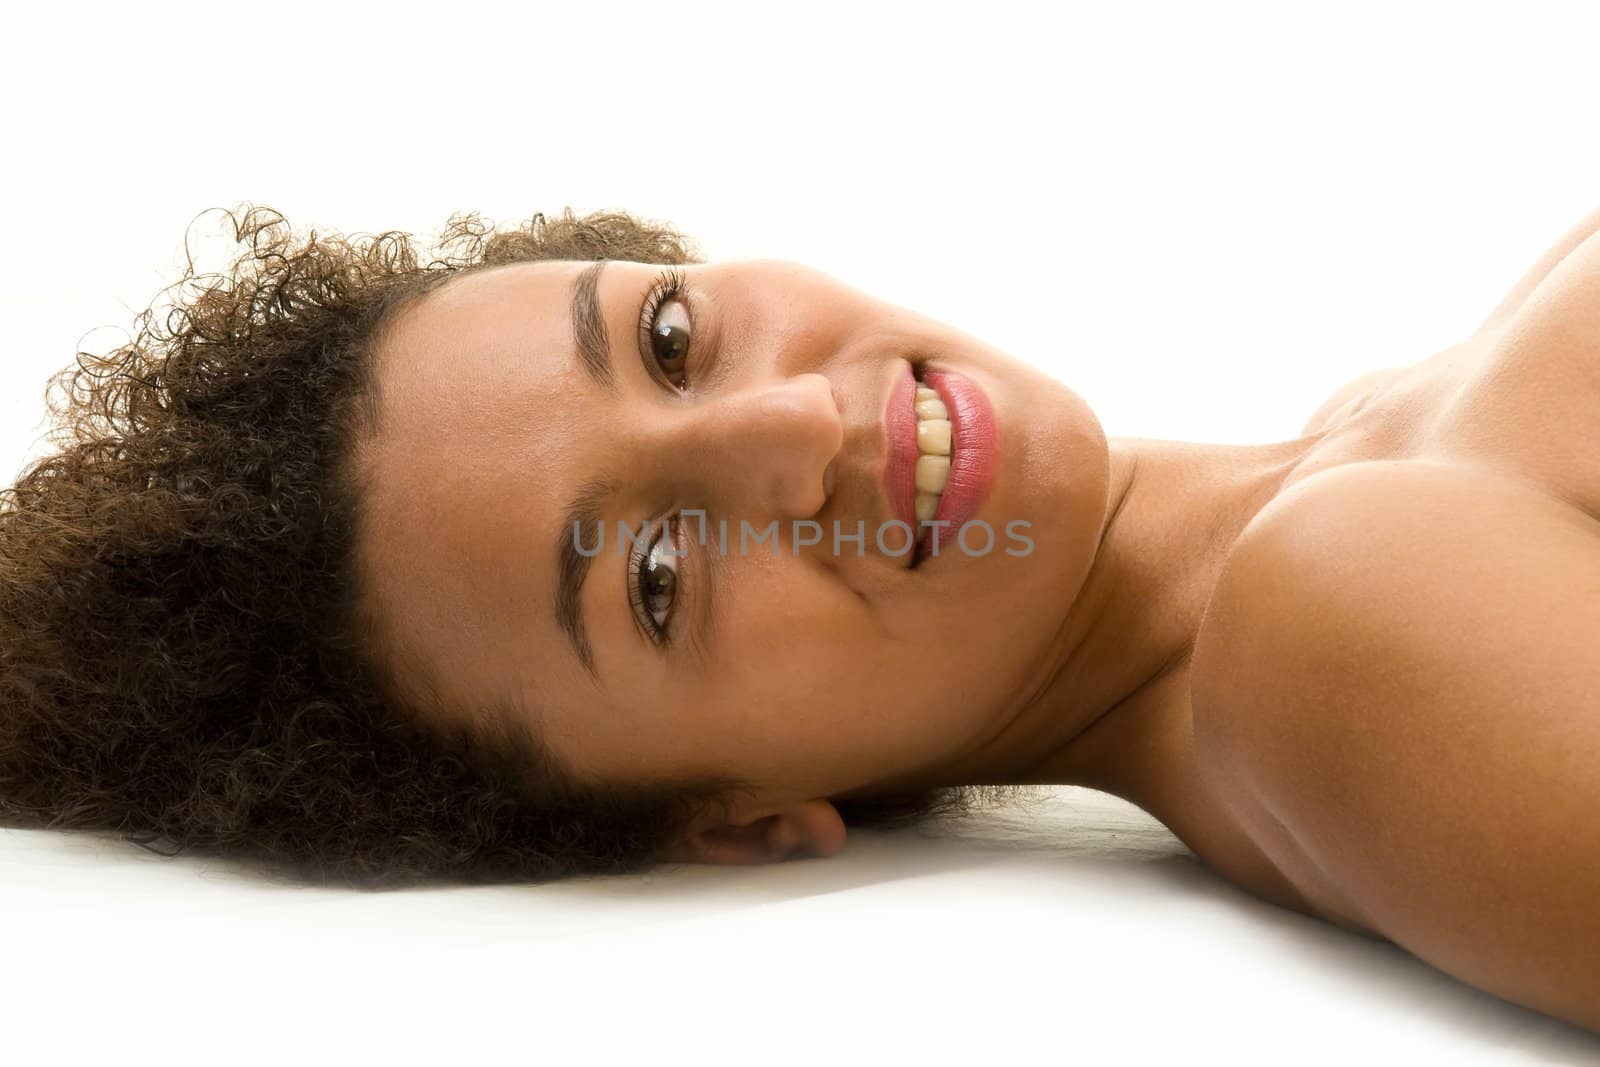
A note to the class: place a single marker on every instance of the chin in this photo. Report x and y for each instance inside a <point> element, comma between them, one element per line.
<point>999,614</point>
<point>1053,471</point>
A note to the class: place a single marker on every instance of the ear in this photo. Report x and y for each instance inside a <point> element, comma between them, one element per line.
<point>812,827</point>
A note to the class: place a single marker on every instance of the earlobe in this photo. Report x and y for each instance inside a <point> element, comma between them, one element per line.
<point>820,829</point>
<point>812,827</point>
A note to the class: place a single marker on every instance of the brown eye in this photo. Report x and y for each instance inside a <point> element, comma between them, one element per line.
<point>659,585</point>
<point>654,590</point>
<point>669,337</point>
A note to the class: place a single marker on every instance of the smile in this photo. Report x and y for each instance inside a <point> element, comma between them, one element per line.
<point>933,451</point>
<point>942,453</point>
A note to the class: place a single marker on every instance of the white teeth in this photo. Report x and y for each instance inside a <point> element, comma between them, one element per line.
<point>934,445</point>
<point>932,473</point>
<point>933,437</point>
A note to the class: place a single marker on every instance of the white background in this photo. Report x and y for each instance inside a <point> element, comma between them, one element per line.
<point>1202,217</point>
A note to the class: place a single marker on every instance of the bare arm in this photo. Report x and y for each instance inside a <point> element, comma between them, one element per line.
<point>1585,228</point>
<point>1414,696</point>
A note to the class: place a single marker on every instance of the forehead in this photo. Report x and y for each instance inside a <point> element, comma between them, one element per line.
<point>479,393</point>
<point>444,355</point>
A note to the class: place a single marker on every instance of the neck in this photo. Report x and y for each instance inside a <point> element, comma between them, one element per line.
<point>1100,715</point>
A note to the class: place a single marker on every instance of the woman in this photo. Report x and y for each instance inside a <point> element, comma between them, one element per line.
<point>568,552</point>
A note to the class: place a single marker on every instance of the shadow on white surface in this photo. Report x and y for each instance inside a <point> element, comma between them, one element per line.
<point>1127,925</point>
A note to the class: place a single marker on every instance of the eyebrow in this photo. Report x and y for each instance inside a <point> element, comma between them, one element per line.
<point>589,325</point>
<point>583,519</point>
<point>583,514</point>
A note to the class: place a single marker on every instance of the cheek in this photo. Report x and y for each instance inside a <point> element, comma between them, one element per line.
<point>785,627</point>
<point>802,667</point>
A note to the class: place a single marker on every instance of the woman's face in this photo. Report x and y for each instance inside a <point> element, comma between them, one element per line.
<point>760,394</point>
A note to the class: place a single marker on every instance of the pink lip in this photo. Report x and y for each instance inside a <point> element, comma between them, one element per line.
<point>972,458</point>
<point>900,475</point>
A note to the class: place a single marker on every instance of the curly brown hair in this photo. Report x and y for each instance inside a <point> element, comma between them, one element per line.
<point>187,657</point>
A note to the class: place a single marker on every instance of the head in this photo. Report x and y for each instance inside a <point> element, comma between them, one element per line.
<point>348,582</point>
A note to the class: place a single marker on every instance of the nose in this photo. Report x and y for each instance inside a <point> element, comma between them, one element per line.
<point>759,451</point>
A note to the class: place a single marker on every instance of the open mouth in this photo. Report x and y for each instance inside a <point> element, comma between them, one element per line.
<point>955,458</point>
<point>935,446</point>
<point>942,456</point>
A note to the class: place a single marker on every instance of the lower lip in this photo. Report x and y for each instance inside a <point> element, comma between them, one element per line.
<point>972,459</point>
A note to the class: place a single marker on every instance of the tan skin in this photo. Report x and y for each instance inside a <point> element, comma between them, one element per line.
<point>1352,671</point>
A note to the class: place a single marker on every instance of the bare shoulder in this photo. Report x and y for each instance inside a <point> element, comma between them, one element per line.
<point>1397,677</point>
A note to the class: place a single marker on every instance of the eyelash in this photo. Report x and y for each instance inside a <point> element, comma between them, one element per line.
<point>668,284</point>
